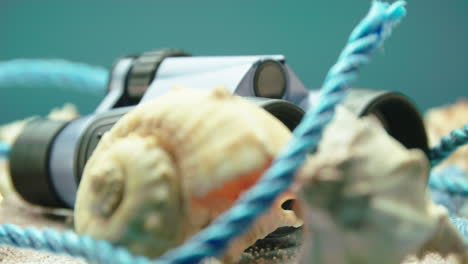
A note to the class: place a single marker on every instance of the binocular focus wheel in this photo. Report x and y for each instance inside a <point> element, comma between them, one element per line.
<point>144,70</point>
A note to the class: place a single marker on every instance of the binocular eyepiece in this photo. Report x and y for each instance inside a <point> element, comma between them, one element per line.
<point>48,158</point>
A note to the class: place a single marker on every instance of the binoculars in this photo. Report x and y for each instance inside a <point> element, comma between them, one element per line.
<point>48,157</point>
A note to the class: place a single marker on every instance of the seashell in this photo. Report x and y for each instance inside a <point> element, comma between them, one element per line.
<point>440,121</point>
<point>170,166</point>
<point>363,198</point>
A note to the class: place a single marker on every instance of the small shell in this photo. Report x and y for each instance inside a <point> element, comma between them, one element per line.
<point>143,184</point>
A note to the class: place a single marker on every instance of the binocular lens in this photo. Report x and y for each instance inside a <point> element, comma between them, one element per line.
<point>270,80</point>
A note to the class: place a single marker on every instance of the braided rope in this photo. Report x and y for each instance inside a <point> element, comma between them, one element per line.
<point>68,243</point>
<point>448,144</point>
<point>447,187</point>
<point>461,224</point>
<point>4,149</point>
<point>52,74</point>
<point>450,198</point>
<point>451,180</point>
<point>367,36</point>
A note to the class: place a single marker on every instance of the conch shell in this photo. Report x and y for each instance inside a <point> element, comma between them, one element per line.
<point>170,166</point>
<point>363,198</point>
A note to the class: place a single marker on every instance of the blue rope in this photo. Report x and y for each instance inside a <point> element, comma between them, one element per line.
<point>451,180</point>
<point>451,198</point>
<point>68,243</point>
<point>367,36</point>
<point>446,192</point>
<point>4,150</point>
<point>52,74</point>
<point>448,144</point>
<point>461,224</point>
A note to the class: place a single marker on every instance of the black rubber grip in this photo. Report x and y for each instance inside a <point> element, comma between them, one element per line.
<point>144,69</point>
<point>29,162</point>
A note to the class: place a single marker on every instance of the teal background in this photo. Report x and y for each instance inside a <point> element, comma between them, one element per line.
<point>426,57</point>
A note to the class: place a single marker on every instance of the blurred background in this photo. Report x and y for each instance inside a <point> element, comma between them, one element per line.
<point>426,58</point>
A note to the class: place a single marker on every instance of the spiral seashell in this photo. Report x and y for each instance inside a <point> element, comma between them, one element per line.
<point>169,167</point>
